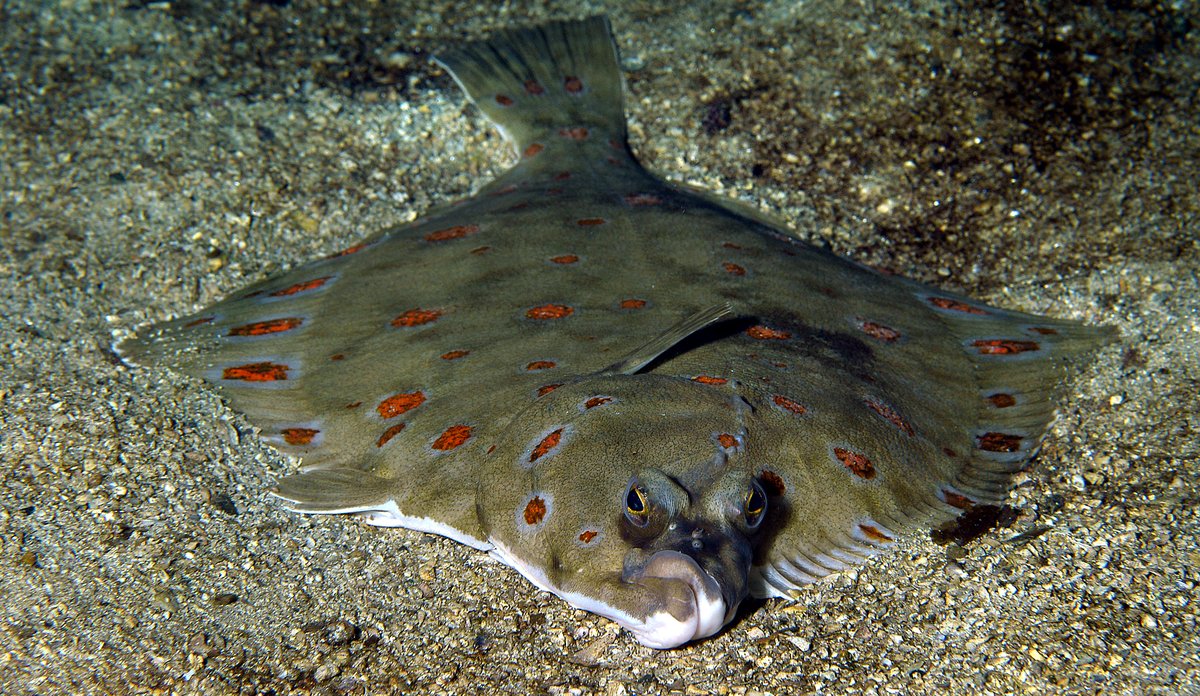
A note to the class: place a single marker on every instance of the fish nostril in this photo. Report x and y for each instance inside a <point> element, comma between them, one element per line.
<point>697,544</point>
<point>697,533</point>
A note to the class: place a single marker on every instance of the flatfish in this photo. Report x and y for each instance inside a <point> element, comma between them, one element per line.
<point>646,401</point>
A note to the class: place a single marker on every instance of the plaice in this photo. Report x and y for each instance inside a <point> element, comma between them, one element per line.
<point>644,400</point>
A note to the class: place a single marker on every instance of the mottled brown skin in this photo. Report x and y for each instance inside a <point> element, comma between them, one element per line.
<point>418,373</point>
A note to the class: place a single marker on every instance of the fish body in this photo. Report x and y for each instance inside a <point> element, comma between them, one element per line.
<point>644,400</point>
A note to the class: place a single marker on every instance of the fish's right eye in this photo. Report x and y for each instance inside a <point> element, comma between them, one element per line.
<point>637,509</point>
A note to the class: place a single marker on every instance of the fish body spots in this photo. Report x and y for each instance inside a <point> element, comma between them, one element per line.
<point>999,442</point>
<point>874,534</point>
<point>564,259</point>
<point>595,401</point>
<point>731,245</point>
<point>642,199</point>
<point>576,133</point>
<point>398,404</point>
<point>388,434</point>
<point>199,322</point>
<point>632,303</point>
<point>857,463</point>
<point>572,84</point>
<point>511,188</point>
<point>257,372</point>
<point>1003,346</point>
<point>534,88</point>
<point>533,150</point>
<point>480,251</point>
<point>349,250</point>
<point>878,331</point>
<point>303,286</point>
<point>956,499</point>
<point>785,404</point>
<point>454,354</point>
<point>772,483</point>
<point>267,327</point>
<point>547,445</point>
<point>549,311</point>
<point>727,441</point>
<point>763,333</point>
<point>890,414</point>
<point>352,405</point>
<point>591,222</point>
<point>733,269</point>
<point>1043,330</point>
<point>1001,400</point>
<point>337,356</point>
<point>540,365</point>
<point>709,379</point>
<point>451,438</point>
<point>299,436</point>
<point>455,232</point>
<point>587,536</point>
<point>534,511</point>
<point>562,176</point>
<point>951,305</point>
<point>416,317</point>
<point>547,388</point>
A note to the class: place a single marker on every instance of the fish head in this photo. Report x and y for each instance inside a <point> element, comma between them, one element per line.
<point>625,496</point>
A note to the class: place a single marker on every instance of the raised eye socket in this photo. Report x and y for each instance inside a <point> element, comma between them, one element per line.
<point>756,505</point>
<point>636,507</point>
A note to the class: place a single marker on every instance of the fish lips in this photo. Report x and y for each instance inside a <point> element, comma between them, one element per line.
<point>694,604</point>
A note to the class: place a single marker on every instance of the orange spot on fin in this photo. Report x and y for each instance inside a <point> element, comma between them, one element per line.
<point>389,434</point>
<point>789,405</point>
<point>549,311</point>
<point>455,232</point>
<point>300,287</point>
<point>858,464</point>
<point>263,328</point>
<point>257,372</point>
<point>400,403</point>
<point>535,511</point>
<point>416,317</point>
<point>874,534</point>
<point>764,333</point>
<point>548,443</point>
<point>1000,442</point>
<point>453,437</point>
<point>299,436</point>
<point>1003,346</point>
<point>709,379</point>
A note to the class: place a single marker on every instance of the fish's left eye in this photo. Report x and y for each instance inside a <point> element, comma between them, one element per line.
<point>756,505</point>
<point>637,510</point>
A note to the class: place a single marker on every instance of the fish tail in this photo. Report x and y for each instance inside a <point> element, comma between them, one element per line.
<point>547,82</point>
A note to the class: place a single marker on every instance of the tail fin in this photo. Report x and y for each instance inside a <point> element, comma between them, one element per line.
<point>553,77</point>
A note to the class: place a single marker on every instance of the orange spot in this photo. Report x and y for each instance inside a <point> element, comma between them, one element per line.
<point>562,176</point>
<point>540,365</point>
<point>389,434</point>
<point>455,232</point>
<point>1002,400</point>
<point>590,222</point>
<point>565,259</point>
<point>731,245</point>
<point>733,269</point>
<point>633,303</point>
<point>789,405</point>
<point>455,354</point>
<point>641,199</point>
<point>949,452</point>
<point>957,500</point>
<point>547,388</point>
<point>577,133</point>
<point>416,317</point>
<point>504,100</point>
<point>708,379</point>
<point>533,149</point>
<point>597,401</point>
<point>858,464</point>
<point>299,436</point>
<point>1001,346</point>
<point>263,328</point>
<point>1044,330</point>
<point>772,483</point>
<point>349,250</point>
<point>257,372</point>
<point>505,191</point>
<point>454,436</point>
<point>587,535</point>
<point>549,311</point>
<point>874,534</point>
<point>199,322</point>
<point>491,449</point>
<point>534,87</point>
<point>763,333</point>
<point>337,356</point>
<point>889,414</point>
<point>879,331</point>
<point>573,84</point>
<point>400,403</point>
<point>548,443</point>
<point>1000,442</point>
<point>535,511</point>
<point>301,287</point>
<point>954,305</point>
<point>727,441</point>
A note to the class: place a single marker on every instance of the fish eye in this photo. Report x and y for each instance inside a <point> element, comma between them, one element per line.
<point>756,505</point>
<point>636,506</point>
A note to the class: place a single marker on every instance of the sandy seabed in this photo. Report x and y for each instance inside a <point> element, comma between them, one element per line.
<point>155,156</point>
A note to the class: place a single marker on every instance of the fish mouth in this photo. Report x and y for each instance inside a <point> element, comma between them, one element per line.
<point>693,605</point>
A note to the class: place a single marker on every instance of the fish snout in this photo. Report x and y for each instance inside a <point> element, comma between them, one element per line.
<point>693,603</point>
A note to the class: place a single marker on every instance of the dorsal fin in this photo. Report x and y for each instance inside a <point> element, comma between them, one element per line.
<point>646,353</point>
<point>556,76</point>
